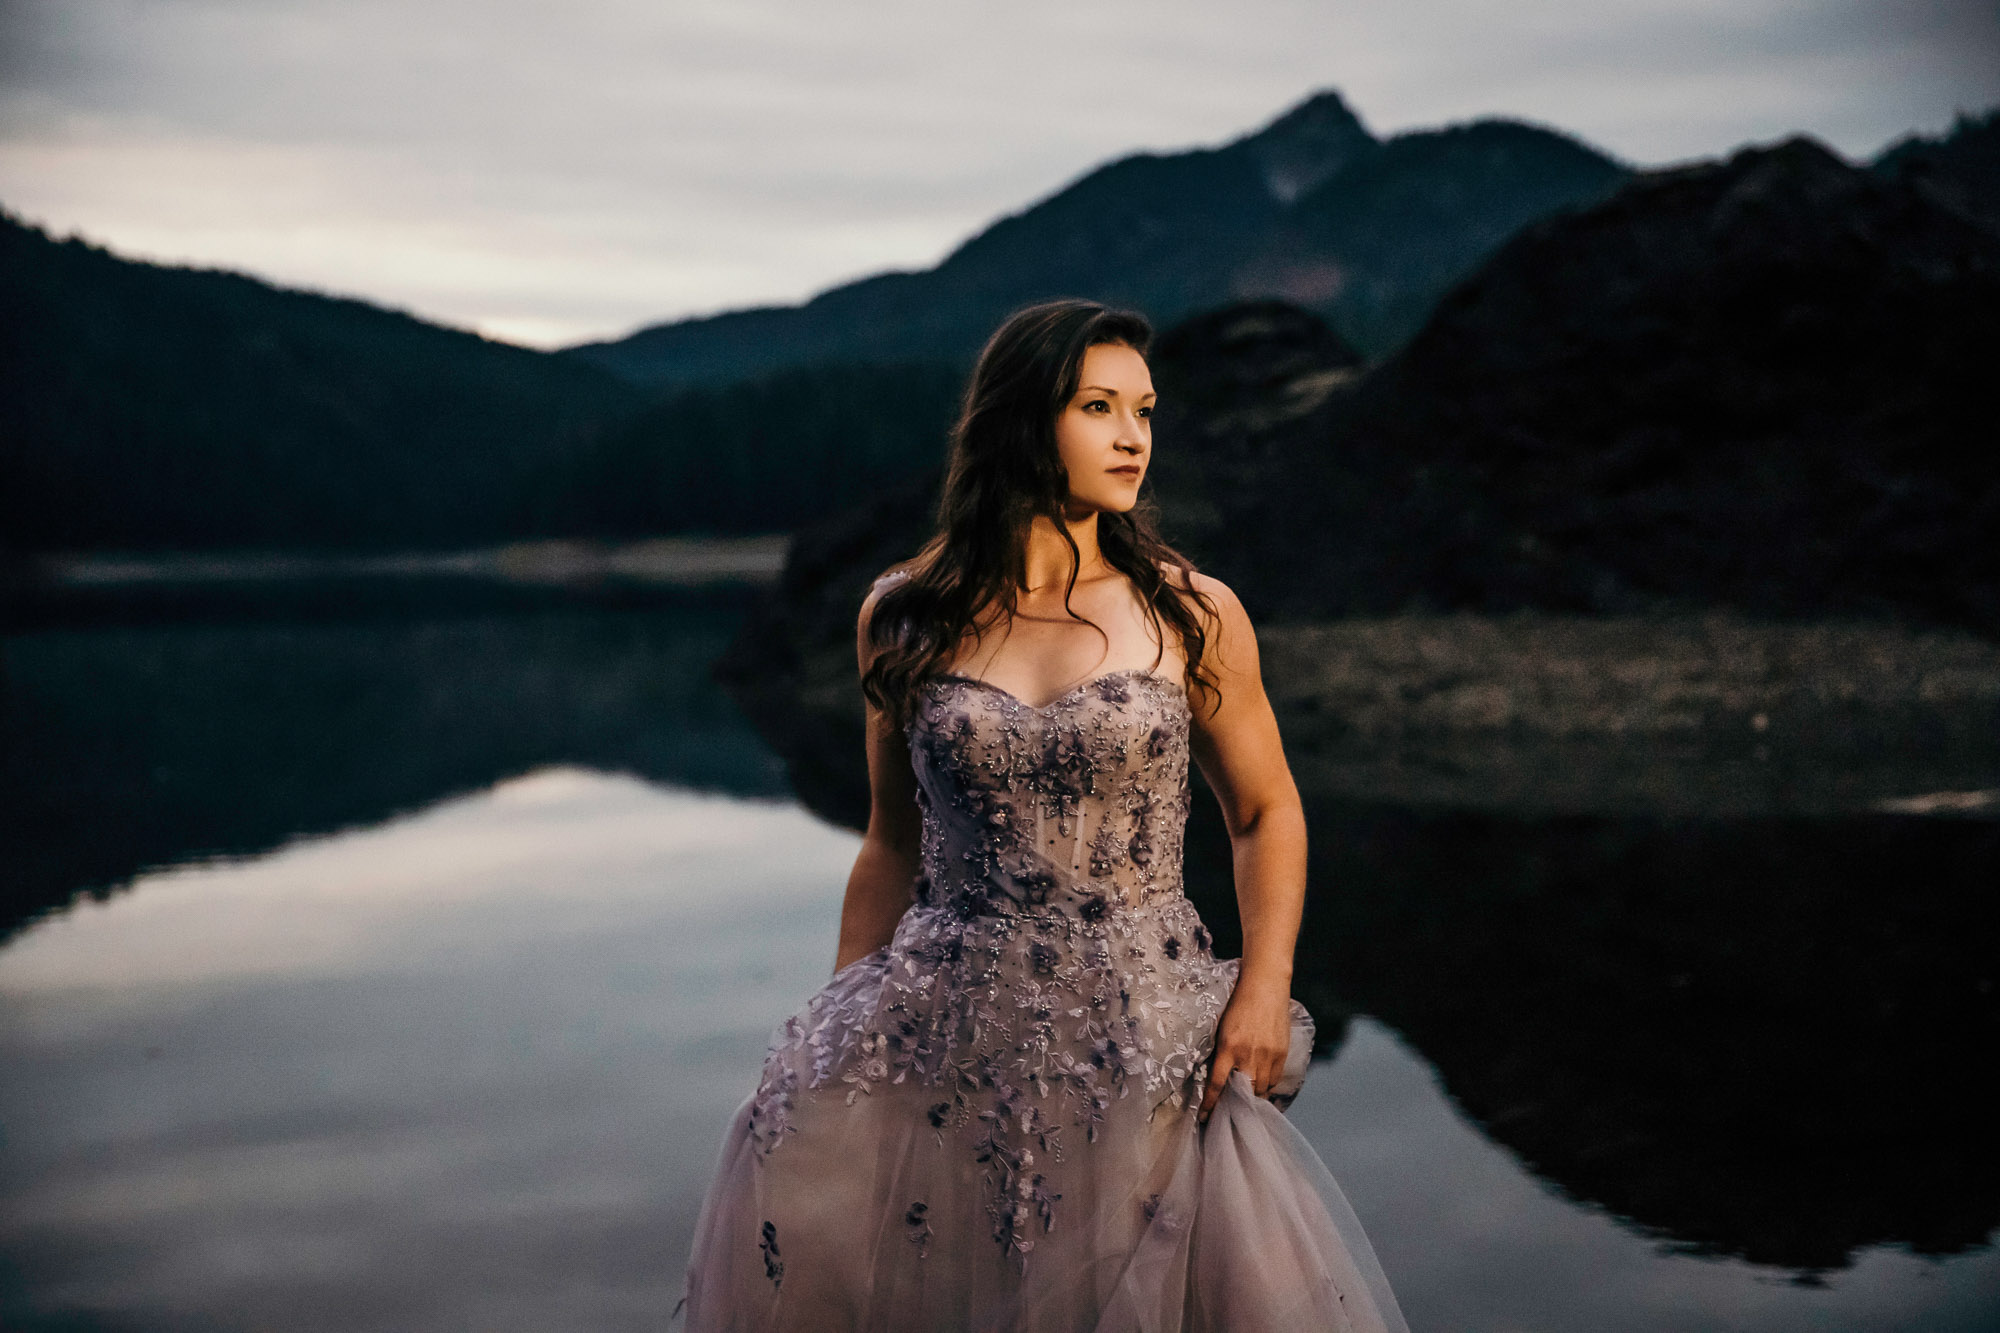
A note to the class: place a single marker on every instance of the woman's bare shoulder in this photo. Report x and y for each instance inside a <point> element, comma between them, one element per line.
<point>887,579</point>
<point>1217,591</point>
<point>1222,599</point>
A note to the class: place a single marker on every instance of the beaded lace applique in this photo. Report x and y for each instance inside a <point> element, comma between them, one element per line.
<point>1050,963</point>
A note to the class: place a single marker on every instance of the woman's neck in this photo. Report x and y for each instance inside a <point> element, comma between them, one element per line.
<point>1048,559</point>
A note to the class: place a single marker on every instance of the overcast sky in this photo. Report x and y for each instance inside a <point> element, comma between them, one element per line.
<point>548,172</point>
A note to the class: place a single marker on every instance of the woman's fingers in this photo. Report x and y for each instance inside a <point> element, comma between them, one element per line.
<point>1263,1069</point>
<point>1259,1070</point>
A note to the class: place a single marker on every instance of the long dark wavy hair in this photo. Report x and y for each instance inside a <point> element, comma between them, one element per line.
<point>1005,471</point>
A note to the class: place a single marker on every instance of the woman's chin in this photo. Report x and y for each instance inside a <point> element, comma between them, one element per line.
<point>1118,503</point>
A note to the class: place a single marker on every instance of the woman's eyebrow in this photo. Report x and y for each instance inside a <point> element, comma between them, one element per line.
<point>1113,392</point>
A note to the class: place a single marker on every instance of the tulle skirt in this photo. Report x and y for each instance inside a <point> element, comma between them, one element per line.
<point>873,1208</point>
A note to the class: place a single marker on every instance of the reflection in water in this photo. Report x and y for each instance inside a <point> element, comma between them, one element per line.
<point>1758,1038</point>
<point>463,1067</point>
<point>1753,1037</point>
<point>133,747</point>
<point>467,1069</point>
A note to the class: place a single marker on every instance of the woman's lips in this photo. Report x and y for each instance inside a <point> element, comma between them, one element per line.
<point>1124,471</point>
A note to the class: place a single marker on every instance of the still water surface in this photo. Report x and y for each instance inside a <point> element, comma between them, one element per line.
<point>462,941</point>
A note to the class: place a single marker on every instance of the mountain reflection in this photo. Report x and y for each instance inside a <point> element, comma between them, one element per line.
<point>138,746</point>
<point>1756,1037</point>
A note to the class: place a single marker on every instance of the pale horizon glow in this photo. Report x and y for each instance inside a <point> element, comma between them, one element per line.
<point>549,174</point>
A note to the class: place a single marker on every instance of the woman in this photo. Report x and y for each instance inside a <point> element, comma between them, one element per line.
<point>1031,1098</point>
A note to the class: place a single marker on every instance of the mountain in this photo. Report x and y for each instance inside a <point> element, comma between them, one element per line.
<point>152,406</point>
<point>1763,383</point>
<point>144,406</point>
<point>1960,169</point>
<point>1402,224</point>
<point>1312,208</point>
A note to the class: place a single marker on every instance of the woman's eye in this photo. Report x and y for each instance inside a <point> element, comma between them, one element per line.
<point>1097,402</point>
<point>1145,411</point>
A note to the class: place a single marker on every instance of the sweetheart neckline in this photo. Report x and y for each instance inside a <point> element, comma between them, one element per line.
<point>1069,693</point>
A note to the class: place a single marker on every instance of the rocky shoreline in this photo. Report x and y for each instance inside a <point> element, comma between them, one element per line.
<point>1713,716</point>
<point>1708,716</point>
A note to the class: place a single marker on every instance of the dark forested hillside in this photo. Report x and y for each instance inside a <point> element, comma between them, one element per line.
<point>1312,209</point>
<point>1764,383</point>
<point>148,406</point>
<point>764,455</point>
<point>145,407</point>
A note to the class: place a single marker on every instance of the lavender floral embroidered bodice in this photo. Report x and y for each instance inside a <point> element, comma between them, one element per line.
<point>988,1122</point>
<point>1074,807</point>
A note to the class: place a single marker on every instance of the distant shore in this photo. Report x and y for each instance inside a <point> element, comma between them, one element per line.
<point>153,586</point>
<point>684,561</point>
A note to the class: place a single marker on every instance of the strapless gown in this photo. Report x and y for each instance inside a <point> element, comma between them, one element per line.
<point>990,1122</point>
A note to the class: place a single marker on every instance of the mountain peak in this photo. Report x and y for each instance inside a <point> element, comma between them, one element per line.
<point>1307,144</point>
<point>1961,169</point>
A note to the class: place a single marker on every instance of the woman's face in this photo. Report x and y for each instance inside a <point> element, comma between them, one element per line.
<point>1104,434</point>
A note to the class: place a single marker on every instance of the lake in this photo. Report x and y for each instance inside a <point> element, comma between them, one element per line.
<point>423,956</point>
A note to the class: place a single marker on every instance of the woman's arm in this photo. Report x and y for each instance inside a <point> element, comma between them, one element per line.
<point>1236,743</point>
<point>880,886</point>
